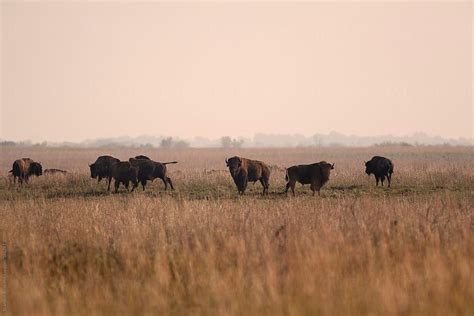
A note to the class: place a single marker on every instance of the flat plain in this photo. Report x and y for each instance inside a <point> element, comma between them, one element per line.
<point>202,249</point>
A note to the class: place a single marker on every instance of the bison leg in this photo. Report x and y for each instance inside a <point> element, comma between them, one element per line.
<point>109,179</point>
<point>264,185</point>
<point>389,179</point>
<point>382,179</point>
<point>143,182</point>
<point>135,184</point>
<point>376,180</point>
<point>165,182</point>
<point>116,185</point>
<point>171,183</point>
<point>244,186</point>
<point>288,186</point>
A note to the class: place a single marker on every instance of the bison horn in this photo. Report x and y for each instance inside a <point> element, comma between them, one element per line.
<point>332,166</point>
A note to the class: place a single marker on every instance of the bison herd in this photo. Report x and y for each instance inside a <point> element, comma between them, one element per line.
<point>136,170</point>
<point>140,169</point>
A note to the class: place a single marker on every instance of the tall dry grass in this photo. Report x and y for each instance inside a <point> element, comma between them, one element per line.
<point>356,249</point>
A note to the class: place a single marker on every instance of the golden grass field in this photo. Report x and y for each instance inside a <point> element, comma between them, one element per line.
<point>203,250</point>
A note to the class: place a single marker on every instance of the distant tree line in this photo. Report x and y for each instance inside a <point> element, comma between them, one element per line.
<point>332,139</point>
<point>10,143</point>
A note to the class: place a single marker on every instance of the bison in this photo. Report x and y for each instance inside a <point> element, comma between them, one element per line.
<point>380,167</point>
<point>316,174</point>
<point>150,170</point>
<point>101,168</point>
<point>24,168</point>
<point>53,171</point>
<point>123,172</point>
<point>244,170</point>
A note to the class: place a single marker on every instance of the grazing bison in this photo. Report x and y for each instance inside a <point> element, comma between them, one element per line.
<point>24,168</point>
<point>381,167</point>
<point>123,172</point>
<point>244,170</point>
<point>150,170</point>
<point>36,169</point>
<point>54,171</point>
<point>101,168</point>
<point>316,174</point>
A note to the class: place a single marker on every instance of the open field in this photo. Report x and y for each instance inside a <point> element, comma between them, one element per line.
<point>202,249</point>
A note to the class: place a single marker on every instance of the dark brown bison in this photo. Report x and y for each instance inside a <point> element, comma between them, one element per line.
<point>24,168</point>
<point>101,168</point>
<point>150,170</point>
<point>245,170</point>
<point>316,174</point>
<point>123,172</point>
<point>53,171</point>
<point>380,167</point>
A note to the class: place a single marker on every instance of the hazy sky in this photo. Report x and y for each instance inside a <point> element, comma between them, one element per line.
<point>71,71</point>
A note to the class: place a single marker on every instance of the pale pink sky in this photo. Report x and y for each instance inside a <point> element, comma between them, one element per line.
<point>77,70</point>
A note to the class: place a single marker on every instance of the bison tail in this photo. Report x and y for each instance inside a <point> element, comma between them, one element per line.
<point>169,162</point>
<point>390,168</point>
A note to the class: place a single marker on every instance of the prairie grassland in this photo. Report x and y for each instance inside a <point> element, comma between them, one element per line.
<point>356,249</point>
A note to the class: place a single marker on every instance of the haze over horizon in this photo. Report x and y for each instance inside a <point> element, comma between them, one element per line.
<point>87,70</point>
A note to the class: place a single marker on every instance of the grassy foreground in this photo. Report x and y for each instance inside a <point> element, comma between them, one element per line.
<point>357,249</point>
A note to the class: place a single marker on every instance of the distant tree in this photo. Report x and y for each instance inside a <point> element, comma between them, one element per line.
<point>169,142</point>
<point>166,142</point>
<point>42,144</point>
<point>227,142</point>
<point>318,141</point>
<point>180,144</point>
<point>237,143</point>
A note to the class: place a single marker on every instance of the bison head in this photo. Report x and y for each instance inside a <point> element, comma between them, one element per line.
<point>326,165</point>
<point>368,167</point>
<point>36,169</point>
<point>234,164</point>
<point>93,171</point>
